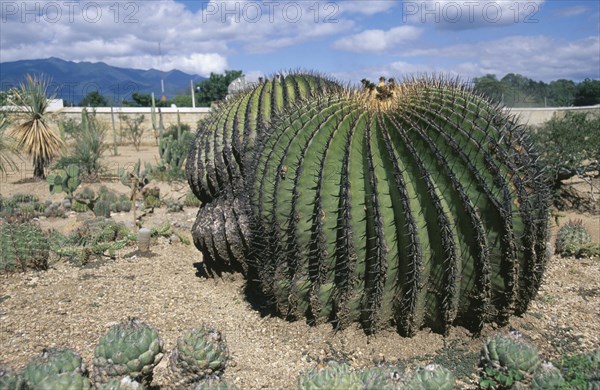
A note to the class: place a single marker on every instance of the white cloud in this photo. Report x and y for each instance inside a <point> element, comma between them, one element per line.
<point>538,57</point>
<point>378,40</point>
<point>127,33</point>
<point>572,11</point>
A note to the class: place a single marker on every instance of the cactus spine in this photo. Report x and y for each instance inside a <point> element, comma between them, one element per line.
<point>409,205</point>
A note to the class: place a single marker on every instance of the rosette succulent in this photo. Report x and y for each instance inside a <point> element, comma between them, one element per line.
<point>129,349</point>
<point>199,354</point>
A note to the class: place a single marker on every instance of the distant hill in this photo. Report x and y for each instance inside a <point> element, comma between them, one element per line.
<point>71,81</point>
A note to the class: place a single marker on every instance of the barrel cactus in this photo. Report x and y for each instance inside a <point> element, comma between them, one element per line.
<point>23,246</point>
<point>333,376</point>
<point>431,377</point>
<point>52,362</point>
<point>221,153</point>
<point>67,380</point>
<point>548,377</point>
<point>411,205</point>
<point>200,353</point>
<point>509,353</point>
<point>571,237</point>
<point>10,380</point>
<point>131,348</point>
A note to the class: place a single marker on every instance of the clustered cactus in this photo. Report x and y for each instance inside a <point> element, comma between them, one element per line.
<point>337,375</point>
<point>124,359</point>
<point>573,239</point>
<point>407,205</point>
<point>23,246</point>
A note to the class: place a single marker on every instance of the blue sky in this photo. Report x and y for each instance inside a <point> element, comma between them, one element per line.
<point>541,39</point>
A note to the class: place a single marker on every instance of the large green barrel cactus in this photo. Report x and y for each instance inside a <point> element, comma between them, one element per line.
<point>411,205</point>
<point>220,154</point>
<point>421,208</point>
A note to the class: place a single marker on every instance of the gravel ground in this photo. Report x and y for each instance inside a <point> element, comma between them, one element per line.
<point>72,307</point>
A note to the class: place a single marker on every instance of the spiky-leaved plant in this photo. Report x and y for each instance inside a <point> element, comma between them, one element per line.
<point>131,348</point>
<point>333,376</point>
<point>571,238</point>
<point>417,204</point>
<point>221,153</point>
<point>23,246</point>
<point>200,353</point>
<point>51,363</point>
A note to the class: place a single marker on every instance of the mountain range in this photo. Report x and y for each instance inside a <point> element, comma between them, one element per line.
<point>71,81</point>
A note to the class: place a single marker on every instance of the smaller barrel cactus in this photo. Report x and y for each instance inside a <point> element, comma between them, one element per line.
<point>381,378</point>
<point>431,377</point>
<point>511,353</point>
<point>200,353</point>
<point>131,348</point>
<point>547,377</point>
<point>10,380</point>
<point>51,363</point>
<point>571,238</point>
<point>67,380</point>
<point>333,376</point>
<point>23,246</point>
<point>102,209</point>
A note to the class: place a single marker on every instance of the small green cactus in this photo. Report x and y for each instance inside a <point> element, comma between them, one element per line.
<point>23,246</point>
<point>9,380</point>
<point>174,206</point>
<point>333,376</point>
<point>507,360</point>
<point>52,362</point>
<point>199,354</point>
<point>66,180</point>
<point>431,377</point>
<point>102,209</point>
<point>571,238</point>
<point>25,198</point>
<point>191,200</point>
<point>548,377</point>
<point>131,348</point>
<point>67,380</point>
<point>381,378</point>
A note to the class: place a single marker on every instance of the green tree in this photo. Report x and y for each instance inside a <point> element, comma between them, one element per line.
<point>562,92</point>
<point>215,87</point>
<point>182,101</point>
<point>93,99</point>
<point>489,86</point>
<point>33,135</point>
<point>587,93</point>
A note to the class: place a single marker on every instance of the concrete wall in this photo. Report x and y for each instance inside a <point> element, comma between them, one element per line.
<point>537,116</point>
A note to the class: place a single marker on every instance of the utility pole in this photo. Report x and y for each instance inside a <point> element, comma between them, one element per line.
<point>193,95</point>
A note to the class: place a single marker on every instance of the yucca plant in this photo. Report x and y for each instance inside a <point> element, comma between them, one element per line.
<point>407,205</point>
<point>33,135</point>
<point>8,148</point>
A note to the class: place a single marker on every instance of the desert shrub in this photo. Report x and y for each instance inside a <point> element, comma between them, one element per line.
<point>568,146</point>
<point>133,129</point>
